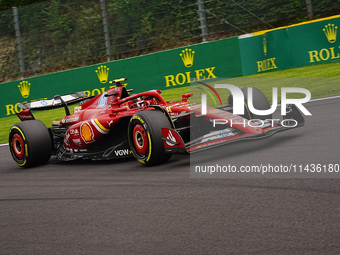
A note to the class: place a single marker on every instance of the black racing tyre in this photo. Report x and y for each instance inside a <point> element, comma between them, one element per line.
<point>30,143</point>
<point>145,137</point>
<point>260,102</point>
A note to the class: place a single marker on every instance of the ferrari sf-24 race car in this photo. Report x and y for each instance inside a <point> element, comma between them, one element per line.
<point>116,124</point>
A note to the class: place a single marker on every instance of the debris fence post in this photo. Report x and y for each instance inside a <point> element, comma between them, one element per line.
<point>309,9</point>
<point>106,31</point>
<point>19,41</point>
<point>202,19</point>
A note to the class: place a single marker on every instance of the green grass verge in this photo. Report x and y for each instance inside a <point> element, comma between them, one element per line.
<point>321,80</point>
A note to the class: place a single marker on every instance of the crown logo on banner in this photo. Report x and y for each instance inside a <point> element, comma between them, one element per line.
<point>187,56</point>
<point>265,46</point>
<point>330,32</point>
<point>103,73</point>
<point>24,88</point>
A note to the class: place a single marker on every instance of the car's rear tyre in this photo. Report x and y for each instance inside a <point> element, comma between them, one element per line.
<point>145,137</point>
<point>260,102</point>
<point>30,143</point>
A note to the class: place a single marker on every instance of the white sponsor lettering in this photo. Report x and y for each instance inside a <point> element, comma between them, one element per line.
<point>122,152</point>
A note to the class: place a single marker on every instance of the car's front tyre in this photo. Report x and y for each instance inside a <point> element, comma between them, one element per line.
<point>145,137</point>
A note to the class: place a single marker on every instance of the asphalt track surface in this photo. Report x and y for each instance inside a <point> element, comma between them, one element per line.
<point>120,207</point>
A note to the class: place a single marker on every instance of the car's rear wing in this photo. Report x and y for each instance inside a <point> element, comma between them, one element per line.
<point>56,102</point>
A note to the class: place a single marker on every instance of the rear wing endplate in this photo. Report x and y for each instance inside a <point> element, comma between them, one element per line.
<point>56,102</point>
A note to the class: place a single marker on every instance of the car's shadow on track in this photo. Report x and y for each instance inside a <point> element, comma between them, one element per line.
<point>178,161</point>
<point>242,148</point>
<point>124,164</point>
<point>89,162</point>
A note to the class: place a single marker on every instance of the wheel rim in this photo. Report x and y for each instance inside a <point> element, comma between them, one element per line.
<point>140,140</point>
<point>18,146</point>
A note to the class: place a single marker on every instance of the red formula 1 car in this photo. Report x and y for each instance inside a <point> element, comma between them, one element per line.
<point>116,124</point>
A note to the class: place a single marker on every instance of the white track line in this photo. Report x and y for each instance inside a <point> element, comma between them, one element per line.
<point>324,98</point>
<point>312,100</point>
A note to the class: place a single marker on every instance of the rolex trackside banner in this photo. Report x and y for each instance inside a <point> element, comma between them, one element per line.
<point>315,43</point>
<point>299,45</point>
<point>267,52</point>
<point>163,70</point>
<point>294,46</point>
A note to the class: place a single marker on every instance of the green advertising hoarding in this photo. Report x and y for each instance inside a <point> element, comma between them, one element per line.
<point>303,44</point>
<point>267,52</point>
<point>315,43</point>
<point>163,70</point>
